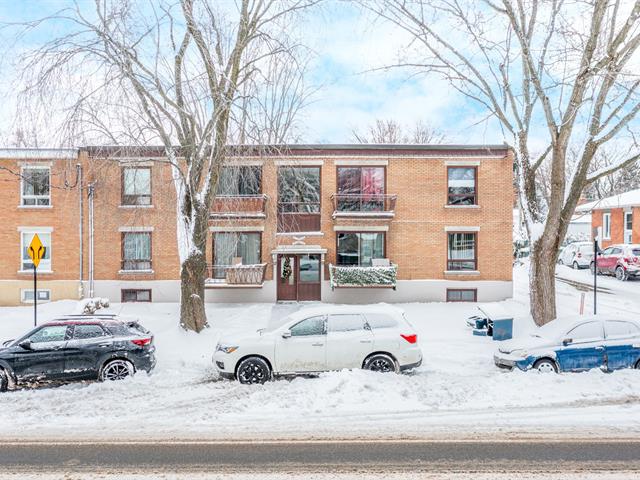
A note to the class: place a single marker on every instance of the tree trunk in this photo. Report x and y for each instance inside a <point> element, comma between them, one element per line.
<point>192,279</point>
<point>542,283</point>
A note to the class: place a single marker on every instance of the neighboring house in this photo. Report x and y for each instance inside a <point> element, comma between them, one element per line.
<point>39,194</point>
<point>619,217</point>
<point>579,228</point>
<point>337,223</point>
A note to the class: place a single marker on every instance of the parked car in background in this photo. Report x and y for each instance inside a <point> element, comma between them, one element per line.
<point>577,255</point>
<point>575,344</point>
<point>78,347</point>
<point>322,339</point>
<point>622,260</point>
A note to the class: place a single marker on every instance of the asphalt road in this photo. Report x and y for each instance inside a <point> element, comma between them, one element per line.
<point>396,456</point>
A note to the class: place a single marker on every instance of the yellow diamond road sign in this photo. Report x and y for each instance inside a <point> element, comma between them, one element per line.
<point>36,250</point>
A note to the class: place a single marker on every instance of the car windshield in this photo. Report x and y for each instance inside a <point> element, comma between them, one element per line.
<point>551,330</point>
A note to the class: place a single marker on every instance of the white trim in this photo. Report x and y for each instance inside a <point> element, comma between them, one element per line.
<point>299,163</point>
<point>461,229</point>
<point>134,206</point>
<point>37,207</point>
<point>38,153</point>
<point>128,272</point>
<point>339,214</point>
<point>361,228</point>
<point>362,163</point>
<point>35,229</point>
<point>300,234</point>
<point>35,163</point>
<point>301,249</point>
<point>135,229</point>
<point>395,156</point>
<point>462,163</point>
<point>132,163</point>
<point>30,271</point>
<point>237,229</point>
<point>454,207</point>
<point>462,272</point>
<point>241,162</point>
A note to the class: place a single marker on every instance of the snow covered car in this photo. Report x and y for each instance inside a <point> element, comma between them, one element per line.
<point>623,261</point>
<point>577,255</point>
<point>575,344</point>
<point>377,338</point>
<point>77,347</point>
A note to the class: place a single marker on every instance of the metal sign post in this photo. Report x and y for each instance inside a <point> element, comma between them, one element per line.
<point>596,249</point>
<point>36,252</point>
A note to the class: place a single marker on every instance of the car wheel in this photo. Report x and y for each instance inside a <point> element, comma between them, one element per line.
<point>621,274</point>
<point>4,381</point>
<point>253,370</point>
<point>380,362</point>
<point>545,366</point>
<point>576,266</point>
<point>116,370</point>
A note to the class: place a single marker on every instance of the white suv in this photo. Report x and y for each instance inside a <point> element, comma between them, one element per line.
<point>320,339</point>
<point>577,255</point>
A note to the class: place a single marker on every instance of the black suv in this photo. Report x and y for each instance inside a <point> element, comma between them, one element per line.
<point>77,348</point>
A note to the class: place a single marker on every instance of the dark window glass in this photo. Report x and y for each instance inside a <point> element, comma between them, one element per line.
<point>136,295</point>
<point>309,268</point>
<point>240,180</point>
<point>299,189</point>
<point>462,251</point>
<point>36,186</point>
<point>462,185</point>
<point>82,332</point>
<point>136,186</point>
<point>136,251</point>
<point>461,295</point>
<point>53,333</point>
<point>310,326</point>
<point>359,248</point>
<point>360,189</point>
<point>345,323</point>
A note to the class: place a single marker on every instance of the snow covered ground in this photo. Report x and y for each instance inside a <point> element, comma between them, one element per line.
<point>457,392</point>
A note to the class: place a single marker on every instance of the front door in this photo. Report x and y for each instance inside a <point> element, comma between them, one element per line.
<point>348,341</point>
<point>584,348</point>
<point>299,277</point>
<point>45,359</point>
<point>305,349</point>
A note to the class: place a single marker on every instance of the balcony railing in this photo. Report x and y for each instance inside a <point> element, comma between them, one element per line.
<point>237,274</point>
<point>298,217</point>
<point>361,204</point>
<point>367,277</point>
<point>239,206</point>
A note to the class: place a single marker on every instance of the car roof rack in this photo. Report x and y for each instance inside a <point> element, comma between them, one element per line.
<point>90,315</point>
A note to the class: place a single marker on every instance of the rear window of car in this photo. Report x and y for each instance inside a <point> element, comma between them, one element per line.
<point>636,252</point>
<point>381,320</point>
<point>129,328</point>
<point>620,329</point>
<point>84,332</point>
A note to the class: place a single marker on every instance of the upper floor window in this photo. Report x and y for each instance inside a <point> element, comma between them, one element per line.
<point>136,251</point>
<point>136,186</point>
<point>240,180</point>
<point>462,186</point>
<point>36,186</point>
<point>462,251</point>
<point>359,249</point>
<point>298,199</point>
<point>606,226</point>
<point>360,188</point>
<point>45,262</point>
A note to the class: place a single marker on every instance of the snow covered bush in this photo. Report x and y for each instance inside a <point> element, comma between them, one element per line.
<point>363,276</point>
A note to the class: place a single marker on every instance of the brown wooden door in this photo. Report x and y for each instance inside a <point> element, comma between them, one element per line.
<point>287,277</point>
<point>299,277</point>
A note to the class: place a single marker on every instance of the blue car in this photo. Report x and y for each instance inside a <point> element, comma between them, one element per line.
<point>575,344</point>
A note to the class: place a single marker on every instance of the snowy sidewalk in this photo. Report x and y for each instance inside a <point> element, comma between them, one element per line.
<point>458,392</point>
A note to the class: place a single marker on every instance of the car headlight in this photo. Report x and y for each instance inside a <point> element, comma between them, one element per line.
<point>520,353</point>
<point>226,348</point>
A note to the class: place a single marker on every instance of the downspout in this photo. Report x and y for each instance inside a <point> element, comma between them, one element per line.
<point>80,231</point>
<point>90,192</point>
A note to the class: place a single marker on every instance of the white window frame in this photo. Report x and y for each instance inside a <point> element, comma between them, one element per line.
<point>606,226</point>
<point>45,265</point>
<point>24,291</point>
<point>626,232</point>
<point>23,197</point>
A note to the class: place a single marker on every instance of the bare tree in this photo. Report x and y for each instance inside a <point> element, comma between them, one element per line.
<point>168,72</point>
<point>569,67</point>
<point>390,131</point>
<point>614,183</point>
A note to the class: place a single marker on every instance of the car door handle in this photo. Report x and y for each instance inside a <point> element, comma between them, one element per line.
<point>365,341</point>
<point>317,344</point>
<point>104,345</point>
<point>599,348</point>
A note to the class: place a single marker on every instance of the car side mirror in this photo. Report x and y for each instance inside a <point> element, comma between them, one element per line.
<point>286,334</point>
<point>567,341</point>
<point>26,344</point>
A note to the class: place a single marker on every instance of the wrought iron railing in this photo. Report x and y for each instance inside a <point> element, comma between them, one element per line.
<point>361,203</point>
<point>239,205</point>
<point>237,274</point>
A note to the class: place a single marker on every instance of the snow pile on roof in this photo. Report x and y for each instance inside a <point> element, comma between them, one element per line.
<point>627,199</point>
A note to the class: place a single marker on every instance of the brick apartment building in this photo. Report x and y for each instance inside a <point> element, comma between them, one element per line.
<point>618,216</point>
<point>337,223</point>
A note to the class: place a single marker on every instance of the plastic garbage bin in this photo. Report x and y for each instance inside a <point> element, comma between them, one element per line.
<point>501,319</point>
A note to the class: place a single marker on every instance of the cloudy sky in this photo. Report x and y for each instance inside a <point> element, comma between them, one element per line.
<point>348,43</point>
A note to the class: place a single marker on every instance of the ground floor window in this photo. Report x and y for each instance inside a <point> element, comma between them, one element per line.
<point>462,251</point>
<point>136,251</point>
<point>462,295</point>
<point>136,295</point>
<point>45,262</point>
<point>359,248</point>
<point>232,248</point>
<point>27,295</point>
